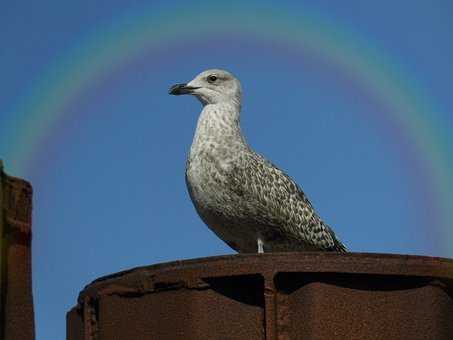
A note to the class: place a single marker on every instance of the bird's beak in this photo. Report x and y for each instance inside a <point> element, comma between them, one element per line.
<point>179,89</point>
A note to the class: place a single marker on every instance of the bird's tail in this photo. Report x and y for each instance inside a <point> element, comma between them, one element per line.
<point>340,247</point>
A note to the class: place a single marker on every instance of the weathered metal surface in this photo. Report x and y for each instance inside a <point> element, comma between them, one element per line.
<point>17,315</point>
<point>272,296</point>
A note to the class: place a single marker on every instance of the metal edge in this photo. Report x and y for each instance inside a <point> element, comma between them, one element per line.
<point>241,264</point>
<point>213,259</point>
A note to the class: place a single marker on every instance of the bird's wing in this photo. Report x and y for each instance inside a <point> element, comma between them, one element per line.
<point>282,203</point>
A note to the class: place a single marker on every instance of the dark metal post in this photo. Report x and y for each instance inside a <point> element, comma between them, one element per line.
<point>16,302</point>
<point>2,255</point>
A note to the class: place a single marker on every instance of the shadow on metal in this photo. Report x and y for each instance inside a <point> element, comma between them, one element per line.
<point>272,296</point>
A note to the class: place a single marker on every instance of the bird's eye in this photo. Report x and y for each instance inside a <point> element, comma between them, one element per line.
<point>212,78</point>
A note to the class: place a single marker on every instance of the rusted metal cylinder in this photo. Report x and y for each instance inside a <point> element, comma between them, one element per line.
<point>272,296</point>
<point>16,300</point>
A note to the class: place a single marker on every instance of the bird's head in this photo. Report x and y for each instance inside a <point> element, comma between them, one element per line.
<point>212,87</point>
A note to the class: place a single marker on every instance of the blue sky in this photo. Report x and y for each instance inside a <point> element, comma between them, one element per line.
<point>109,176</point>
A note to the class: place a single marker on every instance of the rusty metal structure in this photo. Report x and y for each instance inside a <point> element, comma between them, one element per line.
<point>16,300</point>
<point>278,296</point>
<point>272,296</point>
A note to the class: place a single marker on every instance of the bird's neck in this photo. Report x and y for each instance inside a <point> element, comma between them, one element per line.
<point>218,126</point>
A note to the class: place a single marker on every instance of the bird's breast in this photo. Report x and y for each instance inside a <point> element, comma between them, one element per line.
<point>208,176</point>
<point>205,169</point>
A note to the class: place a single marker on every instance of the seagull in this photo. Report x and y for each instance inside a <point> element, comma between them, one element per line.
<point>247,201</point>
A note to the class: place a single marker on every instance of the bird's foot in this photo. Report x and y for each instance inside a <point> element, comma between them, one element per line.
<point>260,246</point>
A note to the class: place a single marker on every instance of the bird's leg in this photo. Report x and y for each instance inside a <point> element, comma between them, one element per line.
<point>260,246</point>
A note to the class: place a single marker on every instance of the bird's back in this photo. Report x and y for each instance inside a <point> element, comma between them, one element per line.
<point>275,200</point>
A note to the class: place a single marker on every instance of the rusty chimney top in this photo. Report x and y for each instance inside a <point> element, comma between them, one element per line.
<point>272,296</point>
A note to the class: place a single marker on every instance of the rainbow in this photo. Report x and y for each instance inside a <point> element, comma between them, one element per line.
<point>411,114</point>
